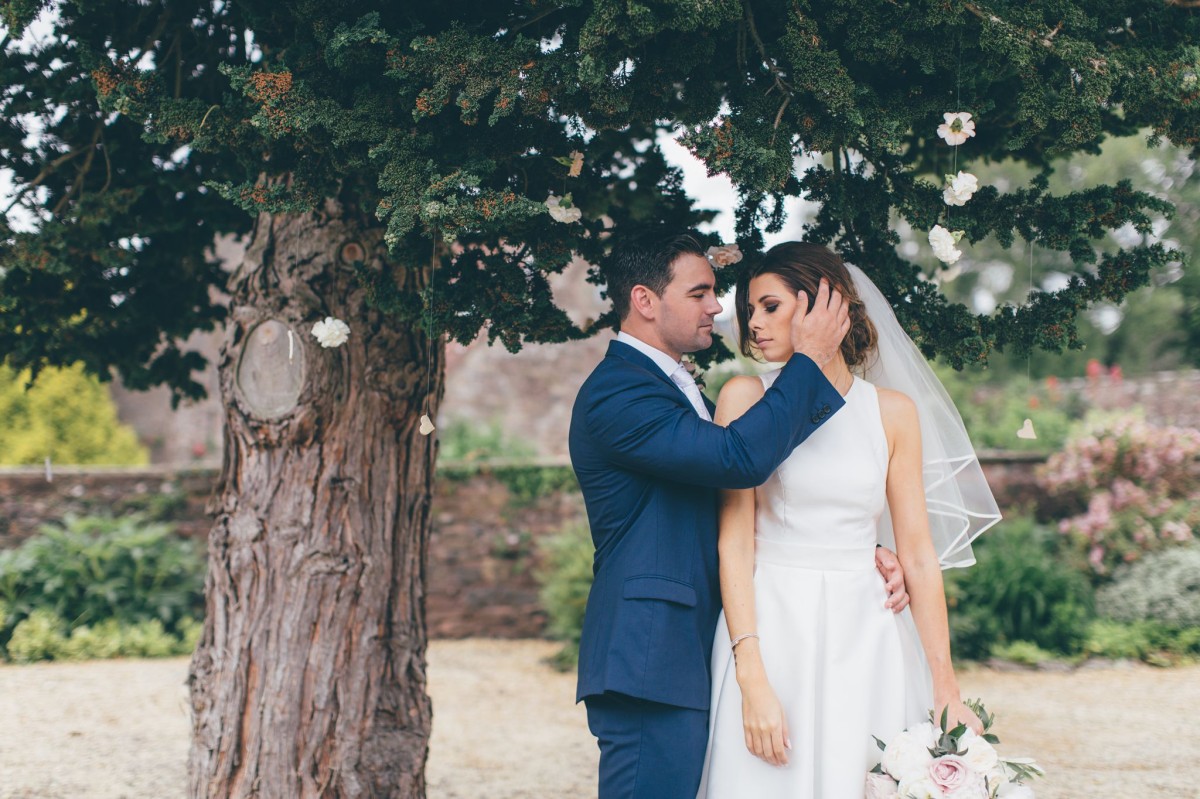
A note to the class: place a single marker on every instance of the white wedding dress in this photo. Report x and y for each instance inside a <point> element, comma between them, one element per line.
<point>843,666</point>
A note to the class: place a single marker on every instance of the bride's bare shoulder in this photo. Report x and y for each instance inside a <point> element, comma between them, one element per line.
<point>738,394</point>
<point>898,410</point>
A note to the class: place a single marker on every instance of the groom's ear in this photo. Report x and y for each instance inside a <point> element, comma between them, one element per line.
<point>643,302</point>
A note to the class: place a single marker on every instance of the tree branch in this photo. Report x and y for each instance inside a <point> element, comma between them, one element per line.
<point>46,172</point>
<point>77,185</point>
<point>780,82</point>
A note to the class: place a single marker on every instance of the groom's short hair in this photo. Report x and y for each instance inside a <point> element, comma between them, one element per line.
<point>645,260</point>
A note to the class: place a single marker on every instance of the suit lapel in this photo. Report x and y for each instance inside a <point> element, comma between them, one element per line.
<point>619,349</point>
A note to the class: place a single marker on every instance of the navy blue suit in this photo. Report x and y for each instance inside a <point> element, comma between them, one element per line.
<point>648,466</point>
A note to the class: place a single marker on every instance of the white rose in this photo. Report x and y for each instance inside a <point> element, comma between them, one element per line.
<point>566,215</point>
<point>960,189</point>
<point>979,755</point>
<point>331,332</point>
<point>724,255</point>
<point>920,786</point>
<point>957,128</point>
<point>1015,790</point>
<point>907,754</point>
<point>943,242</point>
<point>881,786</point>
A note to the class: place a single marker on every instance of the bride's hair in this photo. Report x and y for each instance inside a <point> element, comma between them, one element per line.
<point>801,266</point>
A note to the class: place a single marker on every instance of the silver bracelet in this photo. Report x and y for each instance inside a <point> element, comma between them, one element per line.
<point>733,644</point>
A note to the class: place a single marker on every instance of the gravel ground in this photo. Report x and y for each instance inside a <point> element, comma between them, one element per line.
<point>505,727</point>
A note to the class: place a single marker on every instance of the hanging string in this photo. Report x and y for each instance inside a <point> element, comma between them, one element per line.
<point>426,426</point>
<point>1027,431</point>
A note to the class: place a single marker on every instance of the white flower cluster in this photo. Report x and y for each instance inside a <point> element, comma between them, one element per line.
<point>563,213</point>
<point>957,128</point>
<point>959,188</point>
<point>973,769</point>
<point>943,242</point>
<point>331,332</point>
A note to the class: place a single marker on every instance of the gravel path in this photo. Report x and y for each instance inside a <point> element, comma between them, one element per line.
<point>505,727</point>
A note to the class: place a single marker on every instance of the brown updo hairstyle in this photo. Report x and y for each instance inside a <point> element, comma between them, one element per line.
<point>801,266</point>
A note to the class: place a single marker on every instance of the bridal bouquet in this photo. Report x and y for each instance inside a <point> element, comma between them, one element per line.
<point>929,761</point>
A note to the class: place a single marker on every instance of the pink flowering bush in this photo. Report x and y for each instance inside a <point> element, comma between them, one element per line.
<point>1137,482</point>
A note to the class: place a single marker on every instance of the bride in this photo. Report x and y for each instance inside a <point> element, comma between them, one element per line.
<point>814,664</point>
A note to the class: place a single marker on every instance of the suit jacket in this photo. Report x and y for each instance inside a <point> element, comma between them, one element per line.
<point>648,466</point>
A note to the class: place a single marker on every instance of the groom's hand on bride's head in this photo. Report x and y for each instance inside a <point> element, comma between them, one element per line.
<point>818,333</point>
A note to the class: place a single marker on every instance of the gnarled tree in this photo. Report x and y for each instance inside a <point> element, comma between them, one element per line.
<point>389,164</point>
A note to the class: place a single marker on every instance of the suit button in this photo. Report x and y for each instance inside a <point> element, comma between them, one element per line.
<point>816,419</point>
<point>826,409</point>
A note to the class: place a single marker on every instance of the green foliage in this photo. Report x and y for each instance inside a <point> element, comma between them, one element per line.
<point>1149,641</point>
<point>1026,653</point>
<point>92,571</point>
<point>449,123</point>
<point>68,417</point>
<point>993,413</point>
<point>40,636</point>
<point>1161,587</point>
<point>43,636</point>
<point>566,579</point>
<point>526,482</point>
<point>464,441</point>
<point>1021,589</point>
<point>1158,326</point>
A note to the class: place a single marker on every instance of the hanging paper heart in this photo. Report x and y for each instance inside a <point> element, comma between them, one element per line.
<point>1026,430</point>
<point>426,426</point>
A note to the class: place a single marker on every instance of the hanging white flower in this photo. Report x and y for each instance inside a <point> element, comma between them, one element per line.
<point>725,255</point>
<point>960,188</point>
<point>331,332</point>
<point>563,213</point>
<point>957,128</point>
<point>943,242</point>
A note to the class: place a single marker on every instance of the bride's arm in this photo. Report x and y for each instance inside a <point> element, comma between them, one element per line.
<point>762,715</point>
<point>914,547</point>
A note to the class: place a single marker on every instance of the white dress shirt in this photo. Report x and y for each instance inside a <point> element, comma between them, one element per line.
<point>673,369</point>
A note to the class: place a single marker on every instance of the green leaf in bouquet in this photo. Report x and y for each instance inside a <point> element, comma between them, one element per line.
<point>882,746</point>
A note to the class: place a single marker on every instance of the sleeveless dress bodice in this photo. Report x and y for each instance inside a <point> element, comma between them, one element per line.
<point>843,666</point>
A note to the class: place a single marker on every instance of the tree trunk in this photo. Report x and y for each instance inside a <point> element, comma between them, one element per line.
<point>309,679</point>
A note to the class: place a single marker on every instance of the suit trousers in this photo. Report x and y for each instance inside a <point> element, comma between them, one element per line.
<point>648,750</point>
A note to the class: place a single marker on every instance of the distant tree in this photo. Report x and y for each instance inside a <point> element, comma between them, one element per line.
<point>68,417</point>
<point>389,165</point>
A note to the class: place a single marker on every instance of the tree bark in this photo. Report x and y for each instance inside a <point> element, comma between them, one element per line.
<point>309,679</point>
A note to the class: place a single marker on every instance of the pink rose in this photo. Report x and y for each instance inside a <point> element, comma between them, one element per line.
<point>949,773</point>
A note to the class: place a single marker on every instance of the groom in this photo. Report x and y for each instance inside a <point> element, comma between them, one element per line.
<point>649,461</point>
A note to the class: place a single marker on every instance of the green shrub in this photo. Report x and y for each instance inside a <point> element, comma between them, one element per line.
<point>566,579</point>
<point>40,636</point>
<point>993,413</point>
<point>462,441</point>
<point>1151,641</point>
<point>95,570</point>
<point>1163,586</point>
<point>1024,652</point>
<point>43,636</point>
<point>68,416</point>
<point>1019,590</point>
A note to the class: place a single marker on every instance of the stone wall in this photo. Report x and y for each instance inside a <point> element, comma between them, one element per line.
<point>483,547</point>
